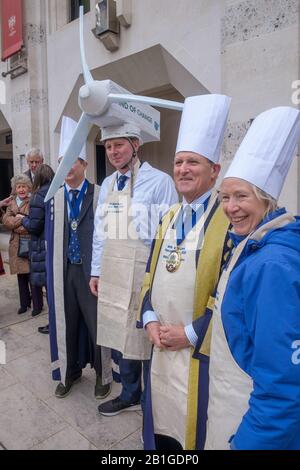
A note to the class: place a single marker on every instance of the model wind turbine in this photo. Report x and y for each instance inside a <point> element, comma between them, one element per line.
<point>105,103</point>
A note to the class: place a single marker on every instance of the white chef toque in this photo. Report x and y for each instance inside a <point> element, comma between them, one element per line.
<point>68,127</point>
<point>203,125</point>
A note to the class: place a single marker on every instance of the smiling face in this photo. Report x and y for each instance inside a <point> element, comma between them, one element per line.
<point>22,191</point>
<point>194,175</point>
<point>241,205</point>
<point>120,152</point>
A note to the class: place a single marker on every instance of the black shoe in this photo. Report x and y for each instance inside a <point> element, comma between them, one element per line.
<point>62,390</point>
<point>22,310</point>
<point>117,406</point>
<point>101,391</point>
<point>44,329</point>
<point>35,312</point>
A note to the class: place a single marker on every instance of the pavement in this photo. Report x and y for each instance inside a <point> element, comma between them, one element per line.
<point>31,417</point>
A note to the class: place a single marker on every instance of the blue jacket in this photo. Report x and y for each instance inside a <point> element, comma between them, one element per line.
<point>35,223</point>
<point>261,318</point>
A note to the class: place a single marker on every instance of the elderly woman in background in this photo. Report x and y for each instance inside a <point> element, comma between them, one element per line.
<point>3,203</point>
<point>12,219</point>
<point>254,384</point>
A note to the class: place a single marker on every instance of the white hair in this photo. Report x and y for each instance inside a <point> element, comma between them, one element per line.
<point>271,203</point>
<point>20,179</point>
<point>34,152</point>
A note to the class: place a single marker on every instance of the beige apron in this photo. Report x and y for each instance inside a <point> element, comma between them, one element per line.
<point>170,369</point>
<point>123,267</point>
<point>229,386</point>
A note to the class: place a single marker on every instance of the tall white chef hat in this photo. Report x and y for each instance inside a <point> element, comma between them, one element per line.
<point>203,125</point>
<point>68,127</point>
<point>265,155</point>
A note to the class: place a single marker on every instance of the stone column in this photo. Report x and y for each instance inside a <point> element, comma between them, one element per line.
<point>29,92</point>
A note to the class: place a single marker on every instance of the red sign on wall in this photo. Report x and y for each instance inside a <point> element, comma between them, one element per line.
<point>11,27</point>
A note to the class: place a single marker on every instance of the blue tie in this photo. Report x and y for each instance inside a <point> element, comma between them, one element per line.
<point>74,255</point>
<point>121,182</point>
<point>188,221</point>
<point>74,193</point>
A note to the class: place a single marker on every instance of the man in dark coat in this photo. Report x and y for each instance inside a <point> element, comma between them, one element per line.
<point>72,307</point>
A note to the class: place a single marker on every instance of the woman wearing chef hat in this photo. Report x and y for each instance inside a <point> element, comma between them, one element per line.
<point>254,385</point>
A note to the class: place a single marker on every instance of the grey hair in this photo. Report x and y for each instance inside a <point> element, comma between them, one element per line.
<point>262,196</point>
<point>20,179</point>
<point>34,152</point>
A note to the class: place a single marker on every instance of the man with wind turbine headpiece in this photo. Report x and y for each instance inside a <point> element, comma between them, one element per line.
<point>130,204</point>
<point>110,107</point>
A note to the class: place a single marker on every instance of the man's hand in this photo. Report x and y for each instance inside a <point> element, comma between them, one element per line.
<point>153,331</point>
<point>173,337</point>
<point>94,282</point>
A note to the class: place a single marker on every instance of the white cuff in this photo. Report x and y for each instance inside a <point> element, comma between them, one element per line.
<point>191,334</point>
<point>148,317</point>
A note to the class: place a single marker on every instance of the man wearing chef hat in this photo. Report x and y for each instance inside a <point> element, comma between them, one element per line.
<point>183,271</point>
<point>72,308</point>
<point>130,205</point>
<point>254,375</point>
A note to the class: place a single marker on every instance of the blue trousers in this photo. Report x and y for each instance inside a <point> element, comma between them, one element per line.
<point>131,377</point>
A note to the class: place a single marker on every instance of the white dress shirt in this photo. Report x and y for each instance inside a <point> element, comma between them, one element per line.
<point>68,188</point>
<point>153,194</point>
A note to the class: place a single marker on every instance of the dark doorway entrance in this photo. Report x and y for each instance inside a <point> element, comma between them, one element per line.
<point>6,173</point>
<point>100,164</point>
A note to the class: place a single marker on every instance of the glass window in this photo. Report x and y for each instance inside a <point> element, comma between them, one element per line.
<point>74,8</point>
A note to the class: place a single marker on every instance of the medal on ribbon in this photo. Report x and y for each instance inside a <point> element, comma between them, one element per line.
<point>74,225</point>
<point>75,210</point>
<point>174,260</point>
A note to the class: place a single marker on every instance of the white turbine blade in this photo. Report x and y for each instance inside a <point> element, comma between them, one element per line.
<point>119,98</point>
<point>86,72</point>
<point>69,158</point>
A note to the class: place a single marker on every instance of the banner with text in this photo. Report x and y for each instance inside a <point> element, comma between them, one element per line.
<point>11,27</point>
